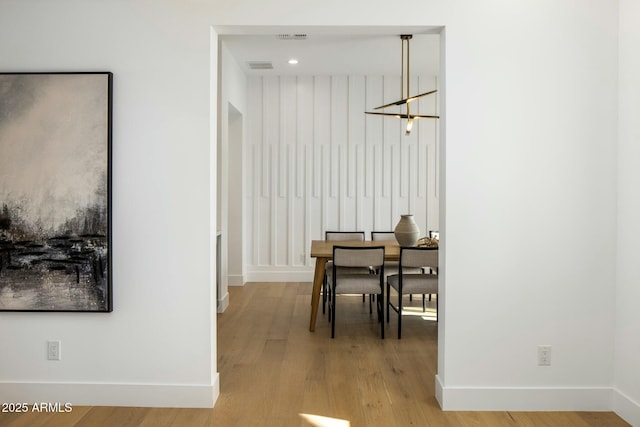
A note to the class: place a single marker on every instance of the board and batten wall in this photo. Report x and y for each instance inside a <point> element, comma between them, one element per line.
<point>315,162</point>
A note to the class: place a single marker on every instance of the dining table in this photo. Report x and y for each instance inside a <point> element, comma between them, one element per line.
<point>322,251</point>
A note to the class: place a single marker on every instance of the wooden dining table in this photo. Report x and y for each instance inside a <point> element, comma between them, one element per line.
<point>322,251</point>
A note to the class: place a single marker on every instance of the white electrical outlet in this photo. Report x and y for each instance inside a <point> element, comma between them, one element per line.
<point>544,355</point>
<point>53,350</point>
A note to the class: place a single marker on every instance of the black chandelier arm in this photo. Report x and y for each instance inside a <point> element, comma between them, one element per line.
<point>403,116</point>
<point>405,100</point>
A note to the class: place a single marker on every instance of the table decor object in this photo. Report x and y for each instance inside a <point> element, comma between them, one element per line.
<point>407,231</point>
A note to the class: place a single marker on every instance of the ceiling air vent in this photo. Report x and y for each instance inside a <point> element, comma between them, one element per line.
<point>260,65</point>
<point>292,36</point>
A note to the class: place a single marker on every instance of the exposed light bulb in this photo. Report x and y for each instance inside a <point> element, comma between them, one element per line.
<point>293,61</point>
<point>409,126</point>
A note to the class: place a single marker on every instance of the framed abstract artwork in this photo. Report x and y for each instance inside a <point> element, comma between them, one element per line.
<point>55,192</point>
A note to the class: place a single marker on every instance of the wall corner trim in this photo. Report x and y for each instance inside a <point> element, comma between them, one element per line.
<point>626,408</point>
<point>439,391</point>
<point>223,303</point>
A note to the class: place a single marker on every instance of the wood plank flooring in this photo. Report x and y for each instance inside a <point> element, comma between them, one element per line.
<point>274,372</point>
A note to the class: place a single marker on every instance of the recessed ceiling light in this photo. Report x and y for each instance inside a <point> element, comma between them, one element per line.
<point>293,61</point>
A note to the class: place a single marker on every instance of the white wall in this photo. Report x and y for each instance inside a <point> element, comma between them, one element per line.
<point>316,162</point>
<point>627,349</point>
<point>236,231</point>
<point>531,116</point>
<point>530,183</point>
<point>158,346</point>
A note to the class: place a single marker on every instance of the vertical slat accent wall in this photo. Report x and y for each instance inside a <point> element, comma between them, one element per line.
<point>318,163</point>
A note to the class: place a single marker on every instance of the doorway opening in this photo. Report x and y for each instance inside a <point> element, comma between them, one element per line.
<point>277,175</point>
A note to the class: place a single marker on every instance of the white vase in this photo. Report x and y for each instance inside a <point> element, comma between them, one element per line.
<point>407,231</point>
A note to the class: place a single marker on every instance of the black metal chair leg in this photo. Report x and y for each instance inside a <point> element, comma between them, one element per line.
<point>329,299</point>
<point>399,315</point>
<point>324,293</point>
<point>381,314</point>
<point>388,300</point>
<point>333,313</point>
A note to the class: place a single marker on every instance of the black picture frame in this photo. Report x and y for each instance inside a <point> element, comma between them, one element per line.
<point>55,191</point>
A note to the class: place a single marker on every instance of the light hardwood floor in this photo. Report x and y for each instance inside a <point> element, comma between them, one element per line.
<point>274,372</point>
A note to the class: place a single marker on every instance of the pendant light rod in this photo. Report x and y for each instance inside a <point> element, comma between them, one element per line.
<point>402,67</point>
<point>407,38</point>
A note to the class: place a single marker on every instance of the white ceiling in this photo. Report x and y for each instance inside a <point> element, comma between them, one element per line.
<point>341,52</point>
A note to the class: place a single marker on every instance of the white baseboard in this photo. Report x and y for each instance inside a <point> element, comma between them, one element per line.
<point>81,394</point>
<point>523,399</point>
<point>626,408</point>
<point>223,303</point>
<point>280,276</point>
<point>236,279</point>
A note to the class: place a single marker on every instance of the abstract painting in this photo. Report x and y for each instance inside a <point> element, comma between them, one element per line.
<point>55,192</point>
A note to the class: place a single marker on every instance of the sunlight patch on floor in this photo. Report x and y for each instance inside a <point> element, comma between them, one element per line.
<point>429,314</point>
<point>320,421</point>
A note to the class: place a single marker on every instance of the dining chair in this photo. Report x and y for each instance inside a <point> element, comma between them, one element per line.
<point>386,236</point>
<point>337,236</point>
<point>383,235</point>
<point>405,283</point>
<point>350,275</point>
<point>391,267</point>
